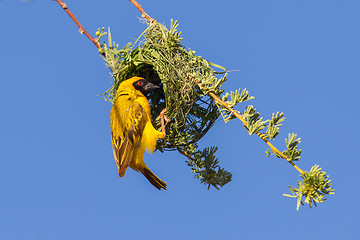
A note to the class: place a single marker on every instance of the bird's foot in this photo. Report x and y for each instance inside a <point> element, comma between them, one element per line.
<point>163,119</point>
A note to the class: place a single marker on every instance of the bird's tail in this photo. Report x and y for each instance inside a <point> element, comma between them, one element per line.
<point>153,179</point>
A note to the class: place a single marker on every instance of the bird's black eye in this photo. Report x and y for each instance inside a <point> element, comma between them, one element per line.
<point>140,83</point>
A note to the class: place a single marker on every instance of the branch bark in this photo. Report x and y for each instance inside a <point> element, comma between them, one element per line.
<point>81,28</point>
<point>143,13</point>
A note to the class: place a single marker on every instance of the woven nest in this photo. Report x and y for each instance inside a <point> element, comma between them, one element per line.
<point>159,57</point>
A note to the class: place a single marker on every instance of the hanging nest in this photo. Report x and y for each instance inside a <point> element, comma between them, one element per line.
<point>158,56</point>
<point>191,95</point>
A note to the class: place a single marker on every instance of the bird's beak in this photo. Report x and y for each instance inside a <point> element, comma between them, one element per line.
<point>150,87</point>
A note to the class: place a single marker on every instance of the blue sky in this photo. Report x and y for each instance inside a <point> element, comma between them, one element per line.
<point>58,179</point>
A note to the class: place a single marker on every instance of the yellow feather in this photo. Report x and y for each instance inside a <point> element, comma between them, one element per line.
<point>132,131</point>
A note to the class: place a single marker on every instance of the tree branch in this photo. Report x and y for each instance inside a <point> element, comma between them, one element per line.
<point>143,13</point>
<point>261,135</point>
<point>185,154</point>
<point>81,28</point>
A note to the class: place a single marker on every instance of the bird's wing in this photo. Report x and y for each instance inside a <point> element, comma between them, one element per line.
<point>127,126</point>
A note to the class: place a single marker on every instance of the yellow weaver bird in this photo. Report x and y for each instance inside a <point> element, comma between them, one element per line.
<point>131,129</point>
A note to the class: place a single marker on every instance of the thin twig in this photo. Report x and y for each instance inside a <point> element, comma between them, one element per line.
<point>81,28</point>
<point>185,154</point>
<point>261,135</point>
<point>143,13</point>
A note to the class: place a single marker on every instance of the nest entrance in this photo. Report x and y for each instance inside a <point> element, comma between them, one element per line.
<point>161,59</point>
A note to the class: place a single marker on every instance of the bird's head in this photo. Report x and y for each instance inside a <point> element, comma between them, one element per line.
<point>139,84</point>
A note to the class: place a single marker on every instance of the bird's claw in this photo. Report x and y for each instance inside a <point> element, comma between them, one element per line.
<point>163,119</point>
